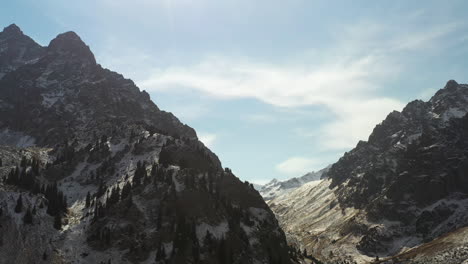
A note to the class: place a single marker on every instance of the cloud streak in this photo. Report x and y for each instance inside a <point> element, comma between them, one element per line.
<point>346,79</point>
<point>208,139</point>
<point>295,166</point>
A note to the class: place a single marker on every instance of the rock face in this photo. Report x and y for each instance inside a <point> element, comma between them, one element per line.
<point>404,187</point>
<point>93,172</point>
<point>17,49</point>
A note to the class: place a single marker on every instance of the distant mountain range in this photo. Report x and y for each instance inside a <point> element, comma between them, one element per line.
<point>277,188</point>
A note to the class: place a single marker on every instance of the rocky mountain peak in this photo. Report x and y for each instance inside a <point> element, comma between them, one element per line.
<point>276,188</point>
<point>16,49</point>
<point>451,84</point>
<point>12,29</point>
<point>450,89</point>
<point>71,45</point>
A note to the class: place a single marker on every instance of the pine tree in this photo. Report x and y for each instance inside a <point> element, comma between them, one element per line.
<point>154,170</point>
<point>106,236</point>
<point>129,202</point>
<point>103,139</point>
<point>159,221</point>
<point>222,251</point>
<point>36,188</point>
<point>140,173</point>
<point>108,202</point>
<point>27,180</point>
<point>58,221</point>
<point>196,252</point>
<point>88,200</point>
<point>96,209</point>
<point>208,240</point>
<point>24,162</point>
<point>126,190</point>
<point>101,189</point>
<point>28,218</point>
<point>161,254</point>
<point>64,204</point>
<point>19,205</point>
<point>13,176</point>
<point>35,166</point>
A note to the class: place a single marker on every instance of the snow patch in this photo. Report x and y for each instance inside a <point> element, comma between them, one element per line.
<point>453,113</point>
<point>277,188</point>
<point>178,186</point>
<point>259,213</point>
<point>217,231</point>
<point>18,139</point>
<point>50,99</point>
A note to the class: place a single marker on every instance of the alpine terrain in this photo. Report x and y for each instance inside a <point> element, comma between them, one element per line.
<point>92,171</point>
<point>276,188</point>
<point>400,197</point>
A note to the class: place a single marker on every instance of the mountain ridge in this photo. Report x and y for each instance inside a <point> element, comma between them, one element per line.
<point>403,188</point>
<point>276,188</point>
<point>92,171</point>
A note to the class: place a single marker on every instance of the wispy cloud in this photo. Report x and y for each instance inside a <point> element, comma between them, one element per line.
<point>208,139</point>
<point>260,181</point>
<point>345,88</point>
<point>190,111</point>
<point>261,118</point>
<point>346,80</point>
<point>295,166</point>
<point>285,86</point>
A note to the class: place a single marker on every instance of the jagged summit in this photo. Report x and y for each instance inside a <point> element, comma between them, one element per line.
<point>69,43</point>
<point>12,29</point>
<point>18,46</point>
<point>276,188</point>
<point>451,84</point>
<point>16,49</point>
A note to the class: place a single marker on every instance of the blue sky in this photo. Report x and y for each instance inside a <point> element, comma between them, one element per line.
<point>275,88</point>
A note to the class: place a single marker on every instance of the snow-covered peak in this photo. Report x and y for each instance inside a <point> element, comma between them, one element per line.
<point>271,183</point>
<point>276,188</point>
<point>450,102</point>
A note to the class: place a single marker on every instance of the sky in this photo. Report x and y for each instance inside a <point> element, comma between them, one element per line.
<point>275,88</point>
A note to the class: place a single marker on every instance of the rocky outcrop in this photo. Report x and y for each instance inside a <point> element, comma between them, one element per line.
<point>17,49</point>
